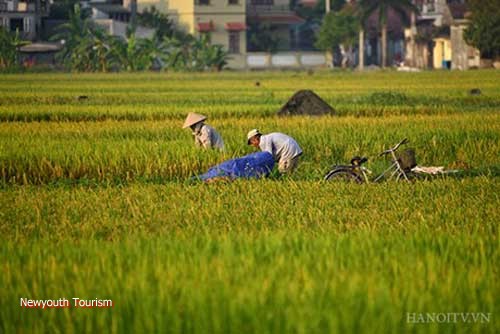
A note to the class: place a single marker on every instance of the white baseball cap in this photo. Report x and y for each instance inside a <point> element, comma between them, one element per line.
<point>252,134</point>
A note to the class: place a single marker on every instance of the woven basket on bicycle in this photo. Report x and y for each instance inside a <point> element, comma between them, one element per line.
<point>407,159</point>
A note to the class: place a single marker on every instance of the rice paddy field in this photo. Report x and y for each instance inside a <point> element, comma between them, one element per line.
<point>96,204</point>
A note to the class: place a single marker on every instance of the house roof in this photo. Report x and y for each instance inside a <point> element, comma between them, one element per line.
<point>395,23</point>
<point>41,47</point>
<point>235,26</point>
<point>205,26</point>
<point>276,18</point>
<point>308,3</point>
<point>458,10</point>
<point>109,8</point>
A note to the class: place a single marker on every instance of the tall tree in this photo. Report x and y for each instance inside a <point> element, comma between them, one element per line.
<point>160,22</point>
<point>314,16</point>
<point>193,54</point>
<point>362,10</point>
<point>263,38</point>
<point>72,33</point>
<point>483,31</point>
<point>134,54</point>
<point>401,7</point>
<point>9,46</point>
<point>339,30</point>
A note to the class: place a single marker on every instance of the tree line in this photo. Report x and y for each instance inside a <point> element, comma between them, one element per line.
<point>344,28</point>
<point>86,47</point>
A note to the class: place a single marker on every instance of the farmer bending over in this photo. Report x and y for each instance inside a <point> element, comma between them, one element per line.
<point>204,135</point>
<point>285,150</point>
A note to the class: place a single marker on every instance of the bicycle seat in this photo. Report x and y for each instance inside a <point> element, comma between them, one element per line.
<point>358,161</point>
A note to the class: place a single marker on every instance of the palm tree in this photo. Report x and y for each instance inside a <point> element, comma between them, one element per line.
<point>101,50</point>
<point>72,34</point>
<point>360,9</point>
<point>136,54</point>
<point>10,44</point>
<point>368,7</point>
<point>209,56</point>
<point>363,14</point>
<point>180,52</point>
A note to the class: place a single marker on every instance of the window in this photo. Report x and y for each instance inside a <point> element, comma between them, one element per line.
<point>293,39</point>
<point>27,24</point>
<point>16,24</point>
<point>431,6</point>
<point>233,2</point>
<point>3,8</point>
<point>471,52</point>
<point>203,2</point>
<point>234,42</point>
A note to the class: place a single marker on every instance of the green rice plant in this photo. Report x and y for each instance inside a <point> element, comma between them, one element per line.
<point>318,257</point>
<point>41,153</point>
<point>95,203</point>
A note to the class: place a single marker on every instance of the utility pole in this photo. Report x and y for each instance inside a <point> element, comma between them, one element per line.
<point>133,14</point>
<point>38,19</point>
<point>361,45</point>
<point>413,29</point>
<point>329,55</point>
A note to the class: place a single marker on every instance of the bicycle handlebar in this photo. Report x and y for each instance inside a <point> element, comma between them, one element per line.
<point>404,141</point>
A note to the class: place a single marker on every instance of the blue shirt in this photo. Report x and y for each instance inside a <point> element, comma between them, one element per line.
<point>254,165</point>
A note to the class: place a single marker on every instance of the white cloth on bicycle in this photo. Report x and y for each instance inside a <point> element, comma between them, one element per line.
<point>428,170</point>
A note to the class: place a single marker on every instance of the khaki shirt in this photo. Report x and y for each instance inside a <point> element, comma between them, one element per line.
<point>207,137</point>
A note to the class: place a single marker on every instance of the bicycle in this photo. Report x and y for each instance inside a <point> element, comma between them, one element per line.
<point>400,169</point>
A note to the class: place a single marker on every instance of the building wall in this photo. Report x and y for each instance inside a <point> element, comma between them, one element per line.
<point>464,56</point>
<point>97,14</point>
<point>186,14</point>
<point>442,52</point>
<point>21,10</point>
<point>434,9</point>
<point>28,27</point>
<point>183,13</point>
<point>219,12</point>
<point>279,3</point>
<point>117,28</point>
<point>286,60</point>
<point>161,5</point>
<point>178,10</point>
<point>422,56</point>
<point>282,2</point>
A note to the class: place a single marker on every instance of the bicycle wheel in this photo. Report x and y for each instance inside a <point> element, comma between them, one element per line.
<point>344,175</point>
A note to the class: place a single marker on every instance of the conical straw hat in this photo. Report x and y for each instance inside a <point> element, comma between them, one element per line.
<point>193,118</point>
